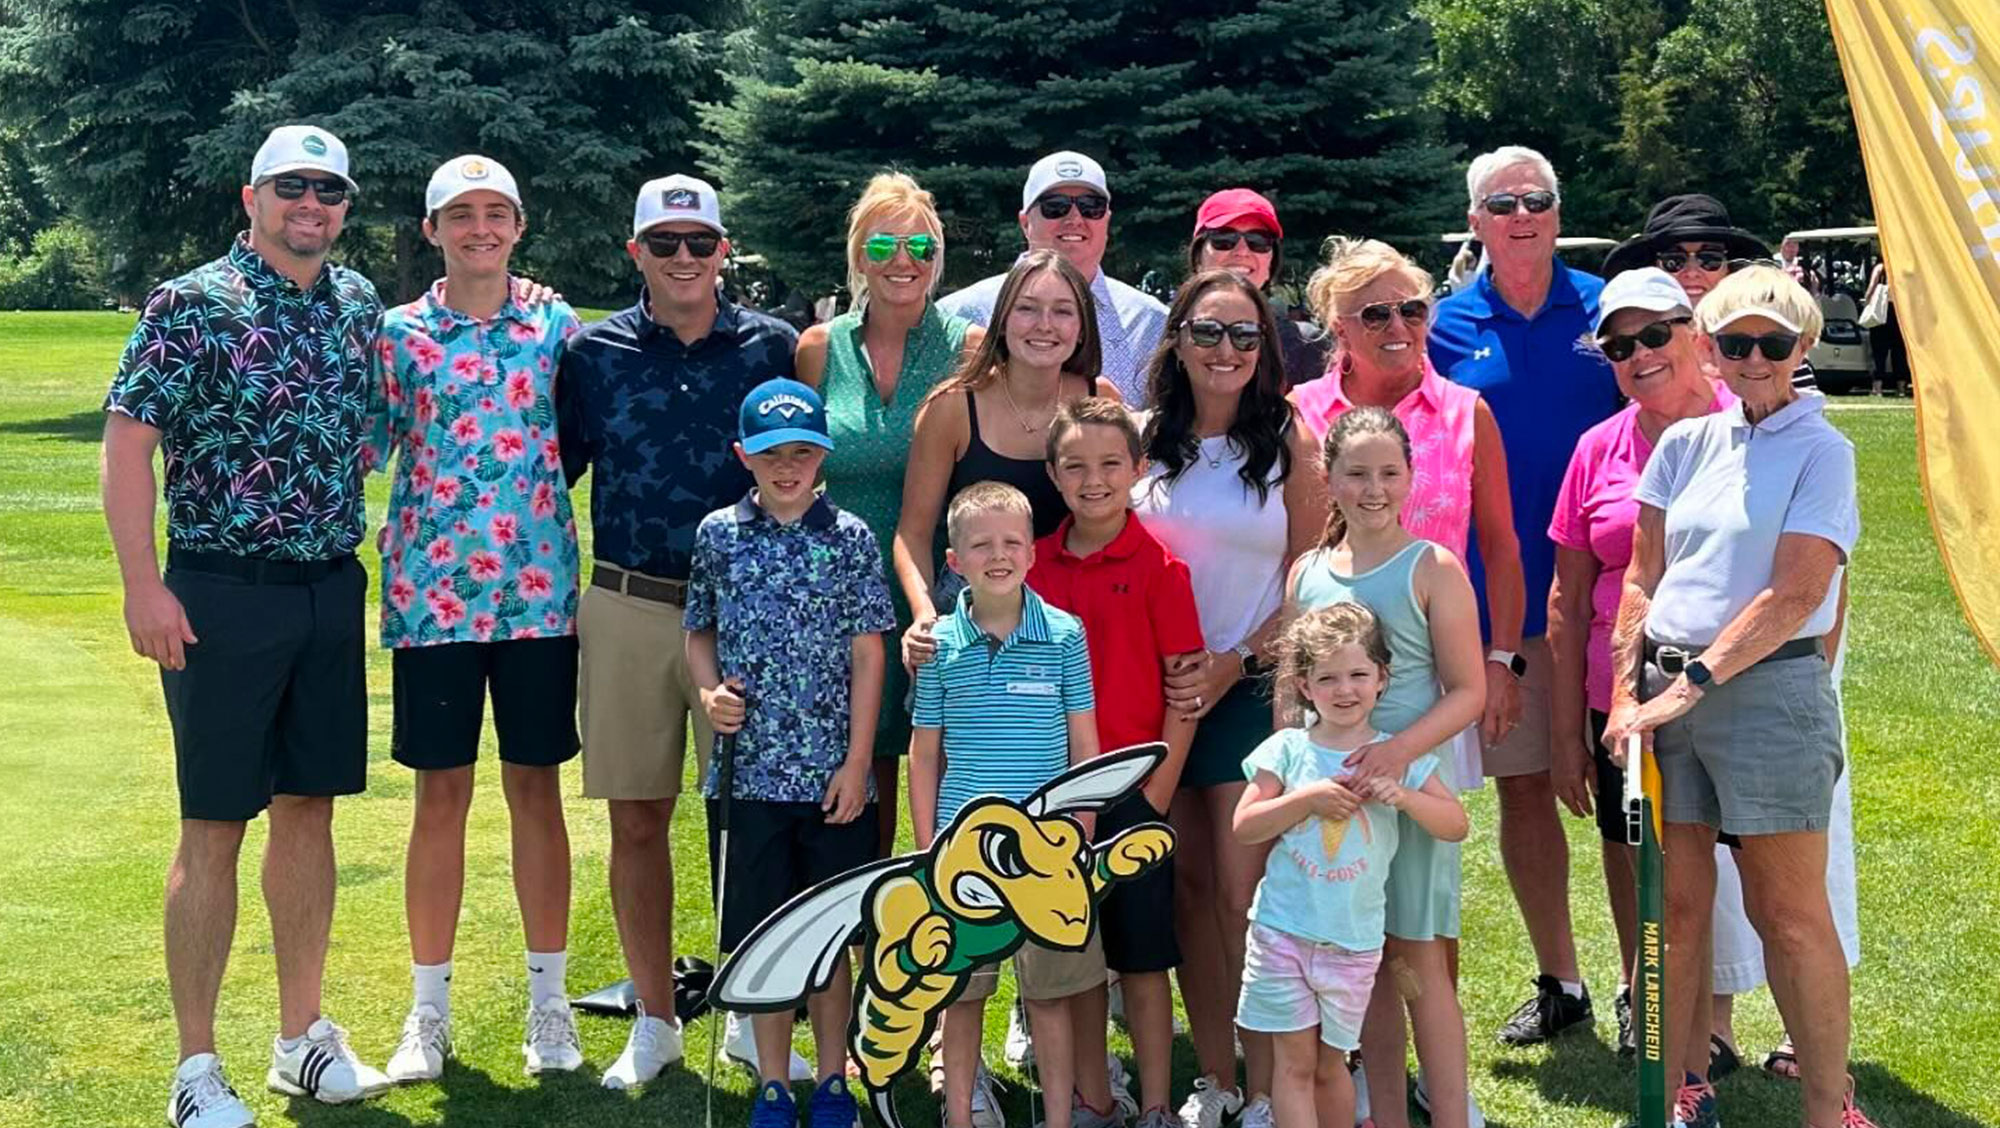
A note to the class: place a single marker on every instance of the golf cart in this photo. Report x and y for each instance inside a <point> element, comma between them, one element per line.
<point>1840,260</point>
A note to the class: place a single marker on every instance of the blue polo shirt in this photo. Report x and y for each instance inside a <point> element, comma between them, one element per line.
<point>653,421</point>
<point>1547,384</point>
<point>1004,704</point>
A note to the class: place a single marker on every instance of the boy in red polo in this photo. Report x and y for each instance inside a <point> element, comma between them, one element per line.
<point>1139,617</point>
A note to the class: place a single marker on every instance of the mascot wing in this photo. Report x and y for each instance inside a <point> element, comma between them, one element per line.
<point>794,951</point>
<point>1096,784</point>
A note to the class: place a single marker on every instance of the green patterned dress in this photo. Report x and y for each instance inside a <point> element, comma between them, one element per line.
<point>871,449</point>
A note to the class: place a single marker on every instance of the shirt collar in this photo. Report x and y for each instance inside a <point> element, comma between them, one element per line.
<point>1033,627</point>
<point>441,317</point>
<point>725,317</point>
<point>931,321</point>
<point>1122,547</point>
<point>818,515</point>
<point>1807,405</point>
<point>261,274</point>
<point>1482,298</point>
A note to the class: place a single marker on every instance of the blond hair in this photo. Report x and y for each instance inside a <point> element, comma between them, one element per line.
<point>1351,266</point>
<point>1320,632</point>
<point>889,195</point>
<point>985,497</point>
<point>1760,288</point>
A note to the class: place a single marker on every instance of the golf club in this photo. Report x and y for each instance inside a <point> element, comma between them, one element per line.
<point>1649,995</point>
<point>725,786</point>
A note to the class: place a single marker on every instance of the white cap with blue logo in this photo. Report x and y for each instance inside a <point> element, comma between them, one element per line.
<point>677,198</point>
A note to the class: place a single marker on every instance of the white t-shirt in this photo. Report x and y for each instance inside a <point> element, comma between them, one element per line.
<point>1234,545</point>
<point>1730,490</point>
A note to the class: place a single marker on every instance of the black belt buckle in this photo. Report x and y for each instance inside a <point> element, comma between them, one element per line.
<point>1671,660</point>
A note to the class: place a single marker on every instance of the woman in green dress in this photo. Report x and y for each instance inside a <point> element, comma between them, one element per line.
<point>874,365</point>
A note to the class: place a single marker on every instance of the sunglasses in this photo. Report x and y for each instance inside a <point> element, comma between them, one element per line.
<point>328,190</point>
<point>1259,242</point>
<point>1504,203</point>
<point>1206,333</point>
<point>1774,346</point>
<point>1710,259</point>
<point>665,244</point>
<point>882,247</point>
<point>1619,346</point>
<point>1413,311</point>
<point>1090,205</point>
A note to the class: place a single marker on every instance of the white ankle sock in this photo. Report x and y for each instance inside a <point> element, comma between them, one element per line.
<point>1572,987</point>
<point>548,976</point>
<point>433,984</point>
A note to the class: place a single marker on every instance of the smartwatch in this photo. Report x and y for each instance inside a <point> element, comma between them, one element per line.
<point>1515,664</point>
<point>1697,674</point>
<point>1249,656</point>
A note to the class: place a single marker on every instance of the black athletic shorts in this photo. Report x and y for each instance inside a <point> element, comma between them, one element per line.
<point>776,852</point>
<point>440,701</point>
<point>274,697</point>
<point>1136,918</point>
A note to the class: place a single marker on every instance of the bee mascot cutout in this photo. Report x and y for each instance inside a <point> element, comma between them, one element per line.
<point>998,877</point>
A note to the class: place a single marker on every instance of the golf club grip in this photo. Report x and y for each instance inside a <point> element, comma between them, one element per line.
<point>725,776</point>
<point>1635,789</point>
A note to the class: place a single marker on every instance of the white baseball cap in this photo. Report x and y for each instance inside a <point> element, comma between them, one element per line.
<point>670,198</point>
<point>1648,288</point>
<point>1782,319</point>
<point>1061,168</point>
<point>469,173</point>
<point>293,148</point>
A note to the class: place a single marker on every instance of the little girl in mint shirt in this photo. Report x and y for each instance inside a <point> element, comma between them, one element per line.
<point>1316,924</point>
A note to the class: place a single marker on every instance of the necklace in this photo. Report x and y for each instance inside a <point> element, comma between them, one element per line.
<point>1215,460</point>
<point>1022,419</point>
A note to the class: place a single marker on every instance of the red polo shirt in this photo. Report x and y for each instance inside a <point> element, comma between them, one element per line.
<point>1137,608</point>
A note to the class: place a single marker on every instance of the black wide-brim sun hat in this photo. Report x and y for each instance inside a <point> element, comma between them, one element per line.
<point>1691,218</point>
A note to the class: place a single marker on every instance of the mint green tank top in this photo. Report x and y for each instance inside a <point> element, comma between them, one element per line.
<point>1389,590</point>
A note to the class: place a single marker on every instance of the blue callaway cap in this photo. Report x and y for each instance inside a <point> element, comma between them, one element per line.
<point>781,411</point>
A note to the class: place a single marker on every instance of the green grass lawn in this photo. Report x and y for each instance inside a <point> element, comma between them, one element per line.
<point>87,820</point>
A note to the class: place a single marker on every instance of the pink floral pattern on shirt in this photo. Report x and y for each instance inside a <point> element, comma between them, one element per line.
<point>480,544</point>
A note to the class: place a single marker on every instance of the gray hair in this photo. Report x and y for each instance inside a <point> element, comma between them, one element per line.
<point>1506,157</point>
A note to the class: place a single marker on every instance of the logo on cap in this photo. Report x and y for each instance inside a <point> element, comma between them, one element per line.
<point>681,198</point>
<point>1071,169</point>
<point>786,405</point>
<point>312,144</point>
<point>474,169</point>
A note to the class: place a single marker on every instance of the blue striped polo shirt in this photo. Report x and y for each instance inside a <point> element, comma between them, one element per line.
<point>1004,706</point>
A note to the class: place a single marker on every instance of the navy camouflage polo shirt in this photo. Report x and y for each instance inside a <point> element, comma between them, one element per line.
<point>260,392</point>
<point>653,421</point>
<point>785,602</point>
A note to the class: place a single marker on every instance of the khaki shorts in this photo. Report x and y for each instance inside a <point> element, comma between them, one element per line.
<point>1043,974</point>
<point>1525,750</point>
<point>636,697</point>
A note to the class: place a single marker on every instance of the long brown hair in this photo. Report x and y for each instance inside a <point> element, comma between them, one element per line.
<point>1263,416</point>
<point>1357,422</point>
<point>983,367</point>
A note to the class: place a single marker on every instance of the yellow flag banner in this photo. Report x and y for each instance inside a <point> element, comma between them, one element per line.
<point>1924,80</point>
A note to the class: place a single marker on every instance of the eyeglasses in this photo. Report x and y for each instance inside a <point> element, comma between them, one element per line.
<point>665,244</point>
<point>881,247</point>
<point>1259,242</point>
<point>1413,311</point>
<point>1774,346</point>
<point>1710,259</point>
<point>328,190</point>
<point>1206,333</point>
<point>1089,205</point>
<point>1504,203</point>
<point>1618,346</point>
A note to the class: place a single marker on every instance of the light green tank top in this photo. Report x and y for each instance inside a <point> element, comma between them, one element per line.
<point>1389,590</point>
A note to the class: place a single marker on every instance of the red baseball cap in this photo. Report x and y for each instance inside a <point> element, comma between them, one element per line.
<point>1237,207</point>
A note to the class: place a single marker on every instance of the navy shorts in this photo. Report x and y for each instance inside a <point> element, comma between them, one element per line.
<point>1136,918</point>
<point>778,851</point>
<point>440,697</point>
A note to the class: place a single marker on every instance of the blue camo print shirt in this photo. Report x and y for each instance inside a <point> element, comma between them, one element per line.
<point>653,422</point>
<point>785,601</point>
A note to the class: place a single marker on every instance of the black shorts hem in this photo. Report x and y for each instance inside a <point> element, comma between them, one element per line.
<point>439,695</point>
<point>778,850</point>
<point>1136,918</point>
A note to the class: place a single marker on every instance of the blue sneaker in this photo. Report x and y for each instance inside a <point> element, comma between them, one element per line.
<point>832,1106</point>
<point>1694,1105</point>
<point>775,1107</point>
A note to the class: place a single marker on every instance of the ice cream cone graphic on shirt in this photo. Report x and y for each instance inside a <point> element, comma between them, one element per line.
<point>1332,832</point>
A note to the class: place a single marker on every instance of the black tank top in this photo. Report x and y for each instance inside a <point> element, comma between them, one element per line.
<point>1029,475</point>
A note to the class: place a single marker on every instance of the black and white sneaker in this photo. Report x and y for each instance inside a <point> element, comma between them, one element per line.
<point>1628,1040</point>
<point>202,1099</point>
<point>322,1067</point>
<point>1548,1013</point>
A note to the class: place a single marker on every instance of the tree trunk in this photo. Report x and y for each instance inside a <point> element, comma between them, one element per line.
<point>407,251</point>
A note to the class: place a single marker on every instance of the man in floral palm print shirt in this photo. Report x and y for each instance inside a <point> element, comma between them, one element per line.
<point>479,571</point>
<point>250,375</point>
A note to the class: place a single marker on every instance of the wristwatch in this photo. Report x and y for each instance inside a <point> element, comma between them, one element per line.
<point>1515,664</point>
<point>1697,674</point>
<point>1249,656</point>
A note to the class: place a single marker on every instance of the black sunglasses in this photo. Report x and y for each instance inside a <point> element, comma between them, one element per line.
<point>1504,203</point>
<point>1259,242</point>
<point>1710,259</point>
<point>1206,332</point>
<point>1774,346</point>
<point>1089,205</point>
<point>328,190</point>
<point>665,244</point>
<point>1619,346</point>
<point>1413,311</point>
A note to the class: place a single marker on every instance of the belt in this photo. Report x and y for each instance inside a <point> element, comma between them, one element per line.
<point>637,586</point>
<point>255,569</point>
<point>1673,659</point>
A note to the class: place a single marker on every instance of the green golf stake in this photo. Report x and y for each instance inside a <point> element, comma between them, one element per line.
<point>1649,993</point>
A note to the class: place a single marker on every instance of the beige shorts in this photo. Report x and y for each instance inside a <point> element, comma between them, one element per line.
<point>1043,974</point>
<point>636,698</point>
<point>1525,750</point>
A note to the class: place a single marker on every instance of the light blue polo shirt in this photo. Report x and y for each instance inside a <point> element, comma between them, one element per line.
<point>1547,384</point>
<point>1730,489</point>
<point>1004,704</point>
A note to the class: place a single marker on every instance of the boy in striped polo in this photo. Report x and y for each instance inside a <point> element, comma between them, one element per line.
<point>1004,707</point>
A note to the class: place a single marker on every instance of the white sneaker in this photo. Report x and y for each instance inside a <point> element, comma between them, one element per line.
<point>1474,1117</point>
<point>322,1067</point>
<point>1019,1049</point>
<point>1257,1114</point>
<point>985,1101</point>
<point>552,1043</point>
<point>202,1099</point>
<point>1121,1089</point>
<point>739,1044</point>
<point>421,1051</point>
<point>1209,1104</point>
<point>654,1044</point>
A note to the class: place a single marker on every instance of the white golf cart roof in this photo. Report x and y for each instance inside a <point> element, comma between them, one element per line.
<point>1563,243</point>
<point>1826,233</point>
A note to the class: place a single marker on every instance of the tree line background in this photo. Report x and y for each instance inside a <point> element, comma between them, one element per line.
<point>126,127</point>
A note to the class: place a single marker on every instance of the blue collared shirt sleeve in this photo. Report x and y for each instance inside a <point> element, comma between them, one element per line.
<point>1823,502</point>
<point>1660,480</point>
<point>927,710</point>
<point>868,605</point>
<point>1078,697</point>
<point>575,437</point>
<point>709,567</point>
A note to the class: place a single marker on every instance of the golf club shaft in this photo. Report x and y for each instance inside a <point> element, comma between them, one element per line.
<point>725,786</point>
